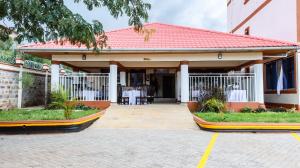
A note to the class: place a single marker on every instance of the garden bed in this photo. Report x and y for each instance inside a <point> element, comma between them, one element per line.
<point>265,117</point>
<point>266,121</point>
<point>41,121</point>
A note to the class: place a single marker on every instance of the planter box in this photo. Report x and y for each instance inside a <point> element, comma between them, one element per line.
<point>46,126</point>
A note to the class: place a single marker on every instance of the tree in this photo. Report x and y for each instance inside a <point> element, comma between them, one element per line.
<point>43,20</point>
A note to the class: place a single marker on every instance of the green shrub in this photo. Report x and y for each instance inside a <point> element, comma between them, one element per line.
<point>260,110</point>
<point>59,100</point>
<point>81,106</point>
<point>246,110</point>
<point>279,110</point>
<point>214,105</point>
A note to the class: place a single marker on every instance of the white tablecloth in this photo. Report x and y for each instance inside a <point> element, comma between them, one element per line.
<point>89,95</point>
<point>132,94</point>
<point>237,96</point>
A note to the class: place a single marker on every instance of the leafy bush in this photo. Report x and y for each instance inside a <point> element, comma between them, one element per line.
<point>260,110</point>
<point>279,109</point>
<point>213,93</point>
<point>81,106</point>
<point>59,100</point>
<point>246,110</point>
<point>214,105</point>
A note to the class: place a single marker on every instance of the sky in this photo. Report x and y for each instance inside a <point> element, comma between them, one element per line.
<point>207,14</point>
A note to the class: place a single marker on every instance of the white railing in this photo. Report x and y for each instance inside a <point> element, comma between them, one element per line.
<point>237,87</point>
<point>85,86</point>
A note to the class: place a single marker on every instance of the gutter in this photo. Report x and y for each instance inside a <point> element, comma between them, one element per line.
<point>117,50</point>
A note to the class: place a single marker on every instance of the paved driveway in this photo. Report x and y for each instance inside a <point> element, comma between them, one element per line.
<point>103,147</point>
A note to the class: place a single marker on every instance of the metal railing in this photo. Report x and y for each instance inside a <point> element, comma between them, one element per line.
<point>85,86</point>
<point>236,87</point>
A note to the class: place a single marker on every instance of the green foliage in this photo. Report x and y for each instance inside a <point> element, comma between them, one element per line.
<point>43,20</point>
<point>59,100</point>
<point>213,93</point>
<point>279,109</point>
<point>260,110</point>
<point>246,110</point>
<point>27,80</point>
<point>267,117</point>
<point>81,106</point>
<point>40,114</point>
<point>214,105</point>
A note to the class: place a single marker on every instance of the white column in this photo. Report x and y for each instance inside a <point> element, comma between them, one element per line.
<point>184,78</point>
<point>258,70</point>
<point>46,68</point>
<point>20,62</point>
<point>178,85</point>
<point>297,71</point>
<point>54,76</point>
<point>123,78</point>
<point>113,79</point>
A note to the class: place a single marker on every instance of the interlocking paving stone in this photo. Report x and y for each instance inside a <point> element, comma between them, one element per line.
<point>151,143</point>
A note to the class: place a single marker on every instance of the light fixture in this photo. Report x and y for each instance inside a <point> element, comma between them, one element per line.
<point>83,57</point>
<point>220,55</point>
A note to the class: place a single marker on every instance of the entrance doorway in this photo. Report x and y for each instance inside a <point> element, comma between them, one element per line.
<point>164,84</point>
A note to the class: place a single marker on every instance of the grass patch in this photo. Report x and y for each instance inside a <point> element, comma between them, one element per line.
<point>265,117</point>
<point>41,114</point>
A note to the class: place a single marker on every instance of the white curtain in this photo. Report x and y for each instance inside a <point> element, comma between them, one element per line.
<point>280,77</point>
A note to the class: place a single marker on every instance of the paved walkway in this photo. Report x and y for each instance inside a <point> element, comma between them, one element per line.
<point>154,136</point>
<point>154,116</point>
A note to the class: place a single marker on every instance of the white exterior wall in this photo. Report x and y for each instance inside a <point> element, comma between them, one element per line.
<point>277,20</point>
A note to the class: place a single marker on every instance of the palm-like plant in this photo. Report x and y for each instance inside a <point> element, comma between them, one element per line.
<point>59,99</point>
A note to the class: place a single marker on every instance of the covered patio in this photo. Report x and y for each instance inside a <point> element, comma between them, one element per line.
<point>176,64</point>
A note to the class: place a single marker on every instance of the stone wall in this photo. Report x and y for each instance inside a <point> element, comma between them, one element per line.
<point>8,89</point>
<point>32,95</point>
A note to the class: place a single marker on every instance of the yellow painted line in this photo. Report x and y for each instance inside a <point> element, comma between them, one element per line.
<point>208,150</point>
<point>296,136</point>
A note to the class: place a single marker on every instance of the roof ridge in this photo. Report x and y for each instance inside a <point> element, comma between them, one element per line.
<point>230,34</point>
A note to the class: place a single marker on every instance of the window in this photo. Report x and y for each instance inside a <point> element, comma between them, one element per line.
<point>273,72</point>
<point>247,31</point>
<point>246,1</point>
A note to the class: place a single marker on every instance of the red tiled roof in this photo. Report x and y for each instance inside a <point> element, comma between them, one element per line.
<point>173,37</point>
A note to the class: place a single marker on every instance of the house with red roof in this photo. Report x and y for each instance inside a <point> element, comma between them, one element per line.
<point>172,64</point>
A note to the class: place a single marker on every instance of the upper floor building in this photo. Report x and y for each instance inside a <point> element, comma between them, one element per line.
<point>275,19</point>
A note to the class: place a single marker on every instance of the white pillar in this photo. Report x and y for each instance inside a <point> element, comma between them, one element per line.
<point>46,68</point>
<point>113,79</point>
<point>258,70</point>
<point>184,78</point>
<point>20,62</point>
<point>54,76</point>
<point>178,85</point>
<point>123,78</point>
<point>297,71</point>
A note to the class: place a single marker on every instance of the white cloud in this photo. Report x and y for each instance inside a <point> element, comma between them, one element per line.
<point>207,14</point>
